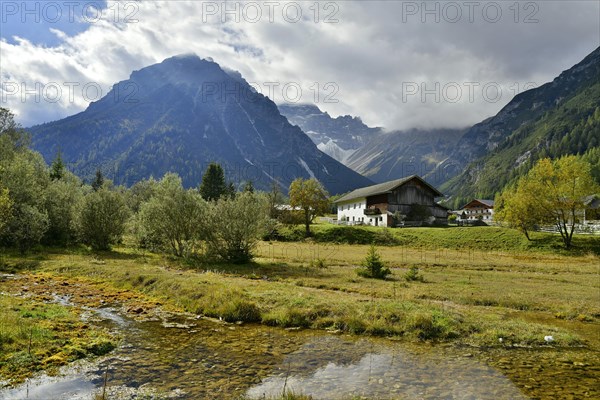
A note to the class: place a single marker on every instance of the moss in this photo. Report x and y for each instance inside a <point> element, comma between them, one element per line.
<point>36,335</point>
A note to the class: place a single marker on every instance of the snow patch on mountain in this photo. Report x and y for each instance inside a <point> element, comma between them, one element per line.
<point>332,149</point>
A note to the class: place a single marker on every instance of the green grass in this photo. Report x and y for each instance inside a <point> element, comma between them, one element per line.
<point>286,395</point>
<point>481,238</point>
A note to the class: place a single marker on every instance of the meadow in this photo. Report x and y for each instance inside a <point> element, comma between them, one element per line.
<point>478,286</point>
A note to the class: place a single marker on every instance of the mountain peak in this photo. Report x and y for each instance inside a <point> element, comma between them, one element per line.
<point>181,114</point>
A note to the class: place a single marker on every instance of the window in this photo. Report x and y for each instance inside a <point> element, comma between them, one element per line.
<point>355,206</point>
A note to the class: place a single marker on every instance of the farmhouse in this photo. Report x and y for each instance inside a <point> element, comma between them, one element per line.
<point>477,210</point>
<point>378,204</point>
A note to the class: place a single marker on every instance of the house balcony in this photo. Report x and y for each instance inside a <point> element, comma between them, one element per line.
<point>372,211</point>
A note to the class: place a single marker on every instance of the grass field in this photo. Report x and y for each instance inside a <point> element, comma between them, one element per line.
<point>474,290</point>
<point>483,238</point>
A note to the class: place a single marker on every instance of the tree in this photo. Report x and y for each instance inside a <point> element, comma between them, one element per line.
<point>373,267</point>
<point>551,192</point>
<point>516,208</point>
<point>141,192</point>
<point>57,169</point>
<point>213,184</point>
<point>31,224</point>
<point>25,175</point>
<point>311,197</point>
<point>229,191</point>
<point>13,139</point>
<point>101,218</point>
<point>61,201</point>
<point>98,181</point>
<point>249,187</point>
<point>5,208</point>
<point>235,226</point>
<point>274,197</point>
<point>174,217</point>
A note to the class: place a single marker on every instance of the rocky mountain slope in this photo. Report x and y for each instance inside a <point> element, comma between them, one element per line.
<point>180,115</point>
<point>338,137</point>
<point>561,117</point>
<point>393,155</point>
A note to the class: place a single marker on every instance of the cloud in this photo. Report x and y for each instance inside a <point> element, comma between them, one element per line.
<point>395,64</point>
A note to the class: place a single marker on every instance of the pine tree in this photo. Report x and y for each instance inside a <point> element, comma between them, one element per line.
<point>213,184</point>
<point>98,180</point>
<point>249,187</point>
<point>230,191</point>
<point>57,169</point>
<point>373,266</point>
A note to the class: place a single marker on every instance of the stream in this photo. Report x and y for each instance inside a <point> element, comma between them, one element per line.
<point>179,357</point>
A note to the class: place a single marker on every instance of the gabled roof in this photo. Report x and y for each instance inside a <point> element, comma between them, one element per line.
<point>489,203</point>
<point>486,202</point>
<point>386,187</point>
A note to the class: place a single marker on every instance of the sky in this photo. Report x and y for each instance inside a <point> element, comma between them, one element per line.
<point>395,64</point>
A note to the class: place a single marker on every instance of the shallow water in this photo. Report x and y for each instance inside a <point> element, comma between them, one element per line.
<point>197,359</point>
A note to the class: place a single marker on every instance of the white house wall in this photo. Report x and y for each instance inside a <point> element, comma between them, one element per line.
<point>354,213</point>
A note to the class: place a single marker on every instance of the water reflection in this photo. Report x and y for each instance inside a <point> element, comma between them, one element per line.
<point>370,370</point>
<point>197,359</point>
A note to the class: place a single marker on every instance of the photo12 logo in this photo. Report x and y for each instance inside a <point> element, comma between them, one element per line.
<point>270,11</point>
<point>470,11</point>
<point>68,11</point>
<point>288,92</point>
<point>460,92</point>
<point>65,92</point>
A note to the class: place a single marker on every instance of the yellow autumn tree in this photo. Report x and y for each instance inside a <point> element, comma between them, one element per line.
<point>310,196</point>
<point>553,192</point>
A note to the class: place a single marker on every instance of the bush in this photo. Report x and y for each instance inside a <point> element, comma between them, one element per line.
<point>27,227</point>
<point>345,234</point>
<point>101,219</point>
<point>318,263</point>
<point>229,305</point>
<point>234,226</point>
<point>373,267</point>
<point>385,238</point>
<point>430,325</point>
<point>173,218</point>
<point>414,275</point>
<point>61,201</point>
<point>240,310</point>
